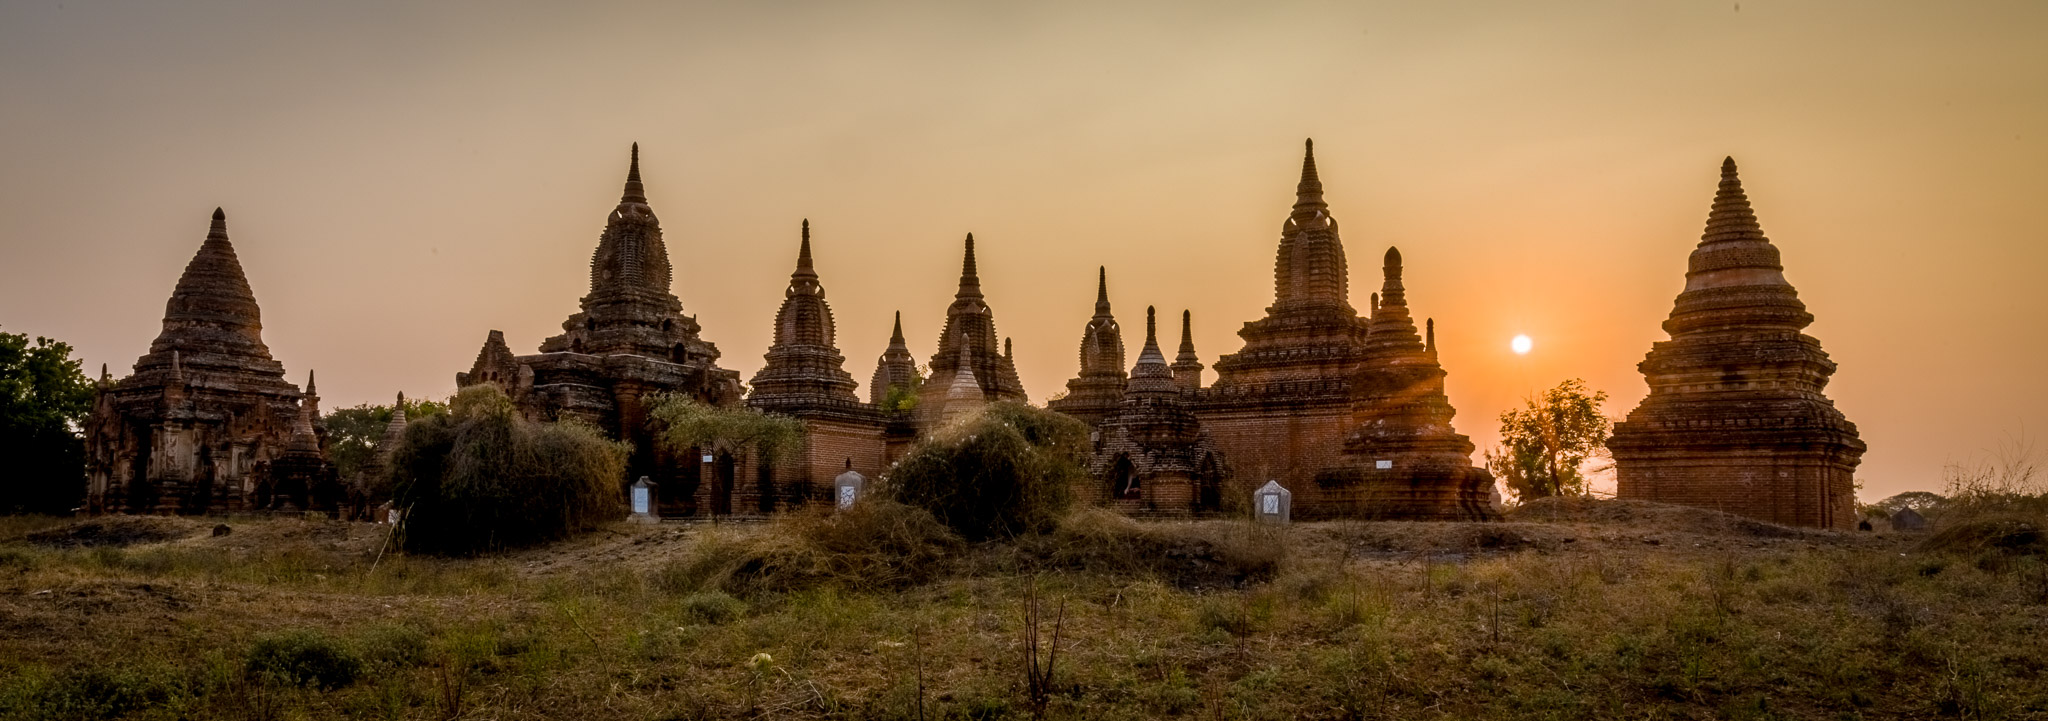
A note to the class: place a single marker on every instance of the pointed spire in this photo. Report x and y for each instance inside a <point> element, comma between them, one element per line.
<point>105,376</point>
<point>970,280</point>
<point>212,308</point>
<point>1151,375</point>
<point>1309,192</point>
<point>1429,335</point>
<point>634,192</point>
<point>1187,335</point>
<point>804,280</point>
<point>311,388</point>
<point>803,253</point>
<point>1006,349</point>
<point>1102,290</point>
<point>1151,333</point>
<point>1391,293</point>
<point>398,409</point>
<point>1731,218</point>
<point>896,336</point>
<point>1375,301</point>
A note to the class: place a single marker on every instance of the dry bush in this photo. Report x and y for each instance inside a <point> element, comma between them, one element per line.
<point>1008,471</point>
<point>2009,536</point>
<point>875,545</point>
<point>2005,480</point>
<point>480,478</point>
<point>1190,555</point>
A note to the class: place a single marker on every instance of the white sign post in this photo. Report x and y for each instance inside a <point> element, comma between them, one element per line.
<point>643,502</point>
<point>848,487</point>
<point>1272,503</point>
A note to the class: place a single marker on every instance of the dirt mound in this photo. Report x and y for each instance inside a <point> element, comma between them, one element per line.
<point>1203,554</point>
<point>1661,516</point>
<point>114,531</point>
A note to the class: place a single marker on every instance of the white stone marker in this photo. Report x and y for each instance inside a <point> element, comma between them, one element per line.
<point>1272,503</point>
<point>643,502</point>
<point>848,485</point>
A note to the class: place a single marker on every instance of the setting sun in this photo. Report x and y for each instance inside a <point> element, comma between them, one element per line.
<point>1521,344</point>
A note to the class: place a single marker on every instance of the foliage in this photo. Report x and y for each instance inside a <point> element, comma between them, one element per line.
<point>303,658</point>
<point>1923,502</point>
<point>682,423</point>
<point>902,398</point>
<point>2003,480</point>
<point>353,433</point>
<point>44,400</point>
<point>876,544</point>
<point>481,478</point>
<point>1544,443</point>
<point>1007,471</point>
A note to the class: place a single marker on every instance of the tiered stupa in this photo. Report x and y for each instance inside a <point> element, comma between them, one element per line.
<point>1736,420</point>
<point>629,341</point>
<point>1281,406</point>
<point>1096,392</point>
<point>301,478</point>
<point>895,370</point>
<point>1151,455</point>
<point>805,376</point>
<point>1402,458</point>
<point>206,410</point>
<point>972,325</point>
<point>1187,366</point>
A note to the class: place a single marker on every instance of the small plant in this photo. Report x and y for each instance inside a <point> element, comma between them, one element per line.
<point>303,658</point>
<point>712,607</point>
<point>1038,675</point>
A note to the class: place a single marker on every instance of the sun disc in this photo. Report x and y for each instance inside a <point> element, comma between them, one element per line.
<point>1521,344</point>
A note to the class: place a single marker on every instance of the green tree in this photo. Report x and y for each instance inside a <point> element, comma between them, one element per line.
<point>481,478</point>
<point>1008,471</point>
<point>681,423</point>
<point>353,433</point>
<point>901,398</point>
<point>1544,442</point>
<point>44,400</point>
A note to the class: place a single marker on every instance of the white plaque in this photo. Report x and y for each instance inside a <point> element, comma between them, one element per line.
<point>640,500</point>
<point>707,458</point>
<point>846,494</point>
<point>1383,465</point>
<point>1269,503</point>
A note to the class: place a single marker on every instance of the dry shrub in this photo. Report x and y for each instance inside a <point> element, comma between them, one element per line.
<point>875,545</point>
<point>1005,472</point>
<point>1205,554</point>
<point>2009,536</point>
<point>481,478</point>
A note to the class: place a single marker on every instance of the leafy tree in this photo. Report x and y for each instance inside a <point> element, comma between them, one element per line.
<point>1544,442</point>
<point>1919,501</point>
<point>481,478</point>
<point>353,433</point>
<point>1007,471</point>
<point>44,400</point>
<point>681,422</point>
<point>904,397</point>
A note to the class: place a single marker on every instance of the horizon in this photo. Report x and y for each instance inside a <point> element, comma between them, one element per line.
<point>418,196</point>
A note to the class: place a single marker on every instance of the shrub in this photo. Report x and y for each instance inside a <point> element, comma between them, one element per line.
<point>481,478</point>
<point>1008,471</point>
<point>712,607</point>
<point>877,544</point>
<point>303,658</point>
<point>1209,554</point>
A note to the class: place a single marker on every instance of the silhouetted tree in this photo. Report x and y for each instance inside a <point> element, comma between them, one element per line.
<point>1009,470</point>
<point>44,399</point>
<point>1544,442</point>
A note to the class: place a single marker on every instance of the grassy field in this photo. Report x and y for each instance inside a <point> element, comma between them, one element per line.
<point>1567,611</point>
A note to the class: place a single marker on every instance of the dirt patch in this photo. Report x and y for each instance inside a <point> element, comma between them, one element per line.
<point>114,531</point>
<point>1661,516</point>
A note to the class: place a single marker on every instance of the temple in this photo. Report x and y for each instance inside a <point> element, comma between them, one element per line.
<point>207,421</point>
<point>629,342</point>
<point>1346,412</point>
<point>1735,419</point>
<point>970,338</point>
<point>805,377</point>
<point>1095,394</point>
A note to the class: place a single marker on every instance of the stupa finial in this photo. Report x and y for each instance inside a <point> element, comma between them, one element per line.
<point>634,192</point>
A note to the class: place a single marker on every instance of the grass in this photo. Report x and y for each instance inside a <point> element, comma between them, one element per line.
<point>1576,615</point>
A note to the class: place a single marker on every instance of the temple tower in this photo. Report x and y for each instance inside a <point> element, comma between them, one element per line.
<point>1402,459</point>
<point>971,325</point>
<point>1095,393</point>
<point>805,376</point>
<point>1187,366</point>
<point>1152,456</point>
<point>205,411</point>
<point>1735,419</point>
<point>895,370</point>
<point>1280,407</point>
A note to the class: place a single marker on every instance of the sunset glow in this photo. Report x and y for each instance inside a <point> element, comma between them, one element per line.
<point>1521,345</point>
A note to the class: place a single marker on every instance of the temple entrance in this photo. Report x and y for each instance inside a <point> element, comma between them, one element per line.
<point>726,469</point>
<point>1209,486</point>
<point>1123,478</point>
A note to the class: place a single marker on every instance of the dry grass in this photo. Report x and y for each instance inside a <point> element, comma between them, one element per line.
<point>1572,617</point>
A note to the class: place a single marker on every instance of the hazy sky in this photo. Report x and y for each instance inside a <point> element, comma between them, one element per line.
<point>401,178</point>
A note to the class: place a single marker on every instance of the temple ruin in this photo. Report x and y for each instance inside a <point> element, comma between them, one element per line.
<point>207,421</point>
<point>1736,420</point>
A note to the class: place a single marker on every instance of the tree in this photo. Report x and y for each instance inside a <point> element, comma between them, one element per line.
<point>1544,442</point>
<point>903,397</point>
<point>1007,471</point>
<point>681,423</point>
<point>481,478</point>
<point>44,400</point>
<point>353,433</point>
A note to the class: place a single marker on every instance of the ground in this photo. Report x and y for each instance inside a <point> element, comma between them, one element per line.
<point>1568,610</point>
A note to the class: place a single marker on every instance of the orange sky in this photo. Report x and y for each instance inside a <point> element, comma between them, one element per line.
<point>400,180</point>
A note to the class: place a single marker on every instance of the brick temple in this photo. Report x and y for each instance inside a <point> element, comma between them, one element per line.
<point>1736,420</point>
<point>207,421</point>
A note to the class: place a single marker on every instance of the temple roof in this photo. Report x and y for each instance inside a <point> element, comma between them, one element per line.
<point>630,260</point>
<point>1734,277</point>
<point>804,367</point>
<point>1310,269</point>
<point>212,309</point>
<point>1151,375</point>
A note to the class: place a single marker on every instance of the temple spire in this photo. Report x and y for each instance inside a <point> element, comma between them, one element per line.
<point>1187,366</point>
<point>1732,218</point>
<point>896,336</point>
<point>804,280</point>
<point>1102,290</point>
<point>1151,352</point>
<point>1391,293</point>
<point>803,253</point>
<point>970,280</point>
<point>1429,335</point>
<point>634,192</point>
<point>1187,335</point>
<point>1309,192</point>
<point>1151,376</point>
